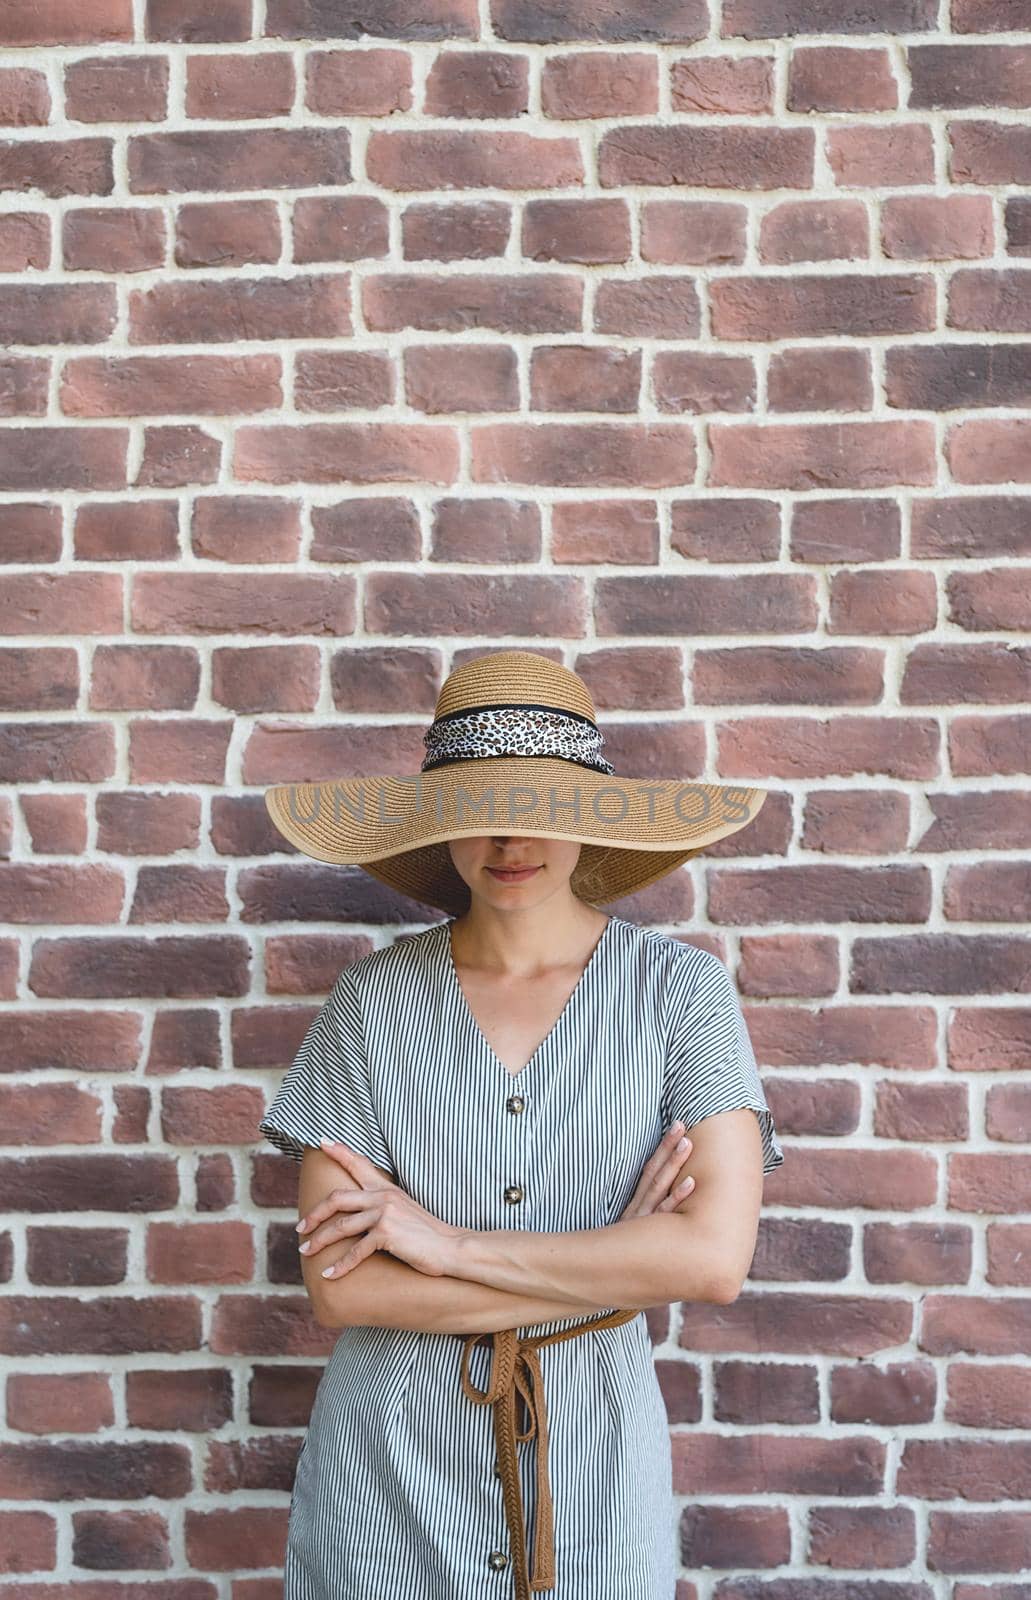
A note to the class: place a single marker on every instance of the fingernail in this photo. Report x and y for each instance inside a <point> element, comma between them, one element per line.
<point>327,1272</point>
<point>305,1247</point>
<point>299,1226</point>
<point>682,1145</point>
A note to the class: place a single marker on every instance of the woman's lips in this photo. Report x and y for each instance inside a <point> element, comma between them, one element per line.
<point>512,874</point>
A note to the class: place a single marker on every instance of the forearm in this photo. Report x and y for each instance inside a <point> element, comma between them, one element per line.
<point>383,1292</point>
<point>634,1263</point>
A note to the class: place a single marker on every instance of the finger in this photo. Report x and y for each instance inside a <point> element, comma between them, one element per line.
<point>325,1208</point>
<point>675,1196</point>
<point>341,1226</point>
<point>357,1253</point>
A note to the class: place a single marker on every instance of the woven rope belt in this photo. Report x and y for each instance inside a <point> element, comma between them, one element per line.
<point>515,1369</point>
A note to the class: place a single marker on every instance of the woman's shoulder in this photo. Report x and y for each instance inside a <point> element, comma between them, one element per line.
<point>394,962</point>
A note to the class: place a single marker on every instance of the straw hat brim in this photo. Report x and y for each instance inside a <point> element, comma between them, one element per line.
<point>633,830</point>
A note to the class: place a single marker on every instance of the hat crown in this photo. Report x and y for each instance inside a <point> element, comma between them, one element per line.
<point>517,677</point>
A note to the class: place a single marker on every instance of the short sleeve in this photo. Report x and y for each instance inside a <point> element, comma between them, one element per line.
<point>710,1062</point>
<point>327,1092</point>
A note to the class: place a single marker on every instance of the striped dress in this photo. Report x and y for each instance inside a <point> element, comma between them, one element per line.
<point>396,1491</point>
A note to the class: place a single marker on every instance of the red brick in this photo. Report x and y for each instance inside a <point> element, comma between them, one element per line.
<point>452,603</point>
<point>146,824</point>
<point>50,1113</point>
<point>485,531</point>
<point>538,302</point>
<point>738,86</point>
<point>28,1543</point>
<point>455,232</point>
<point>705,603</point>
<point>477,83</point>
<point>788,675</point>
<point>467,159</point>
<point>772,19</point>
<point>23,386</point>
<point>820,380</point>
<point>380,528</point>
<point>647,678</point>
<point>176,455</point>
<point>56,313</point>
<point>378,679</point>
<point>24,241</point>
<point>652,307</point>
<point>113,239</point>
<point>990,892</point>
<point>584,378</point>
<point>999,745</point>
<point>230,158</point>
<point>842,746</point>
<point>366,83</point>
<point>37,892</point>
<point>65,1402</point>
<point>592,83</point>
<point>227,233</point>
<point>589,232</point>
<point>349,227</point>
<point>179,751</point>
<point>241,308</point>
<point>117,89</point>
<point>352,19</point>
<point>735,157</point>
<point>343,380</point>
<point>814,230</point>
<point>341,452</point>
<point>63,458</point>
<point>961,76</point>
<point>836,78</point>
<point>124,530</point>
<point>224,87</point>
<point>832,531</point>
<point>171,966</point>
<point>991,599</point>
<point>692,232</point>
<point>688,380</point>
<point>184,892</point>
<point>947,673</point>
<point>788,966</point>
<point>938,227</point>
<point>618,532</point>
<point>986,16</point>
<point>214,1539</point>
<point>75,1471</point>
<point>117,1540</point>
<point>989,152</point>
<point>38,680</point>
<point>176,1400</point>
<point>24,98</point>
<point>112,386</point>
<point>201,1252</point>
<point>198,21</point>
<point>869,156</point>
<point>266,678</point>
<point>821,305</point>
<point>246,528</point>
<point>885,601</point>
<point>185,602</point>
<point>990,451</point>
<point>441,379</point>
<point>860,455</point>
<point>57,166</point>
<point>64,22</point>
<point>56,752</point>
<point>631,455</point>
<point>677,22</point>
<point>56,823</point>
<point>723,528</point>
<point>856,822</point>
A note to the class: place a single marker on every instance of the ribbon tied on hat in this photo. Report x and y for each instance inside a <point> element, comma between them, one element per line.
<point>514,730</point>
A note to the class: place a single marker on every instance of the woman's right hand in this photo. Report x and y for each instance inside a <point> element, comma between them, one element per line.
<point>657,1189</point>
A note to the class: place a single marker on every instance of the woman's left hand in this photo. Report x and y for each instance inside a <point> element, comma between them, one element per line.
<point>387,1217</point>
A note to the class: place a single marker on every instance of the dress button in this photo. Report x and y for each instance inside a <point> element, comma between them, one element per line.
<point>513,1194</point>
<point>497,1469</point>
<point>497,1559</point>
<point>515,1102</point>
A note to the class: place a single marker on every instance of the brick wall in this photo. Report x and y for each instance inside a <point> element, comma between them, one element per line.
<point>687,342</point>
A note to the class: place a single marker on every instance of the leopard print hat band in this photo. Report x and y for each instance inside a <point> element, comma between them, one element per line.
<point>514,730</point>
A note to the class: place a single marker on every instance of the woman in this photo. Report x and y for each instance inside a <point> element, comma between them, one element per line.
<point>489,1117</point>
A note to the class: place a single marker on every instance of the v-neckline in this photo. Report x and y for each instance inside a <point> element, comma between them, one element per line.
<point>549,1037</point>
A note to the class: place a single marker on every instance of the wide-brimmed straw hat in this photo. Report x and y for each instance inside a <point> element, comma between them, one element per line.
<point>514,749</point>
